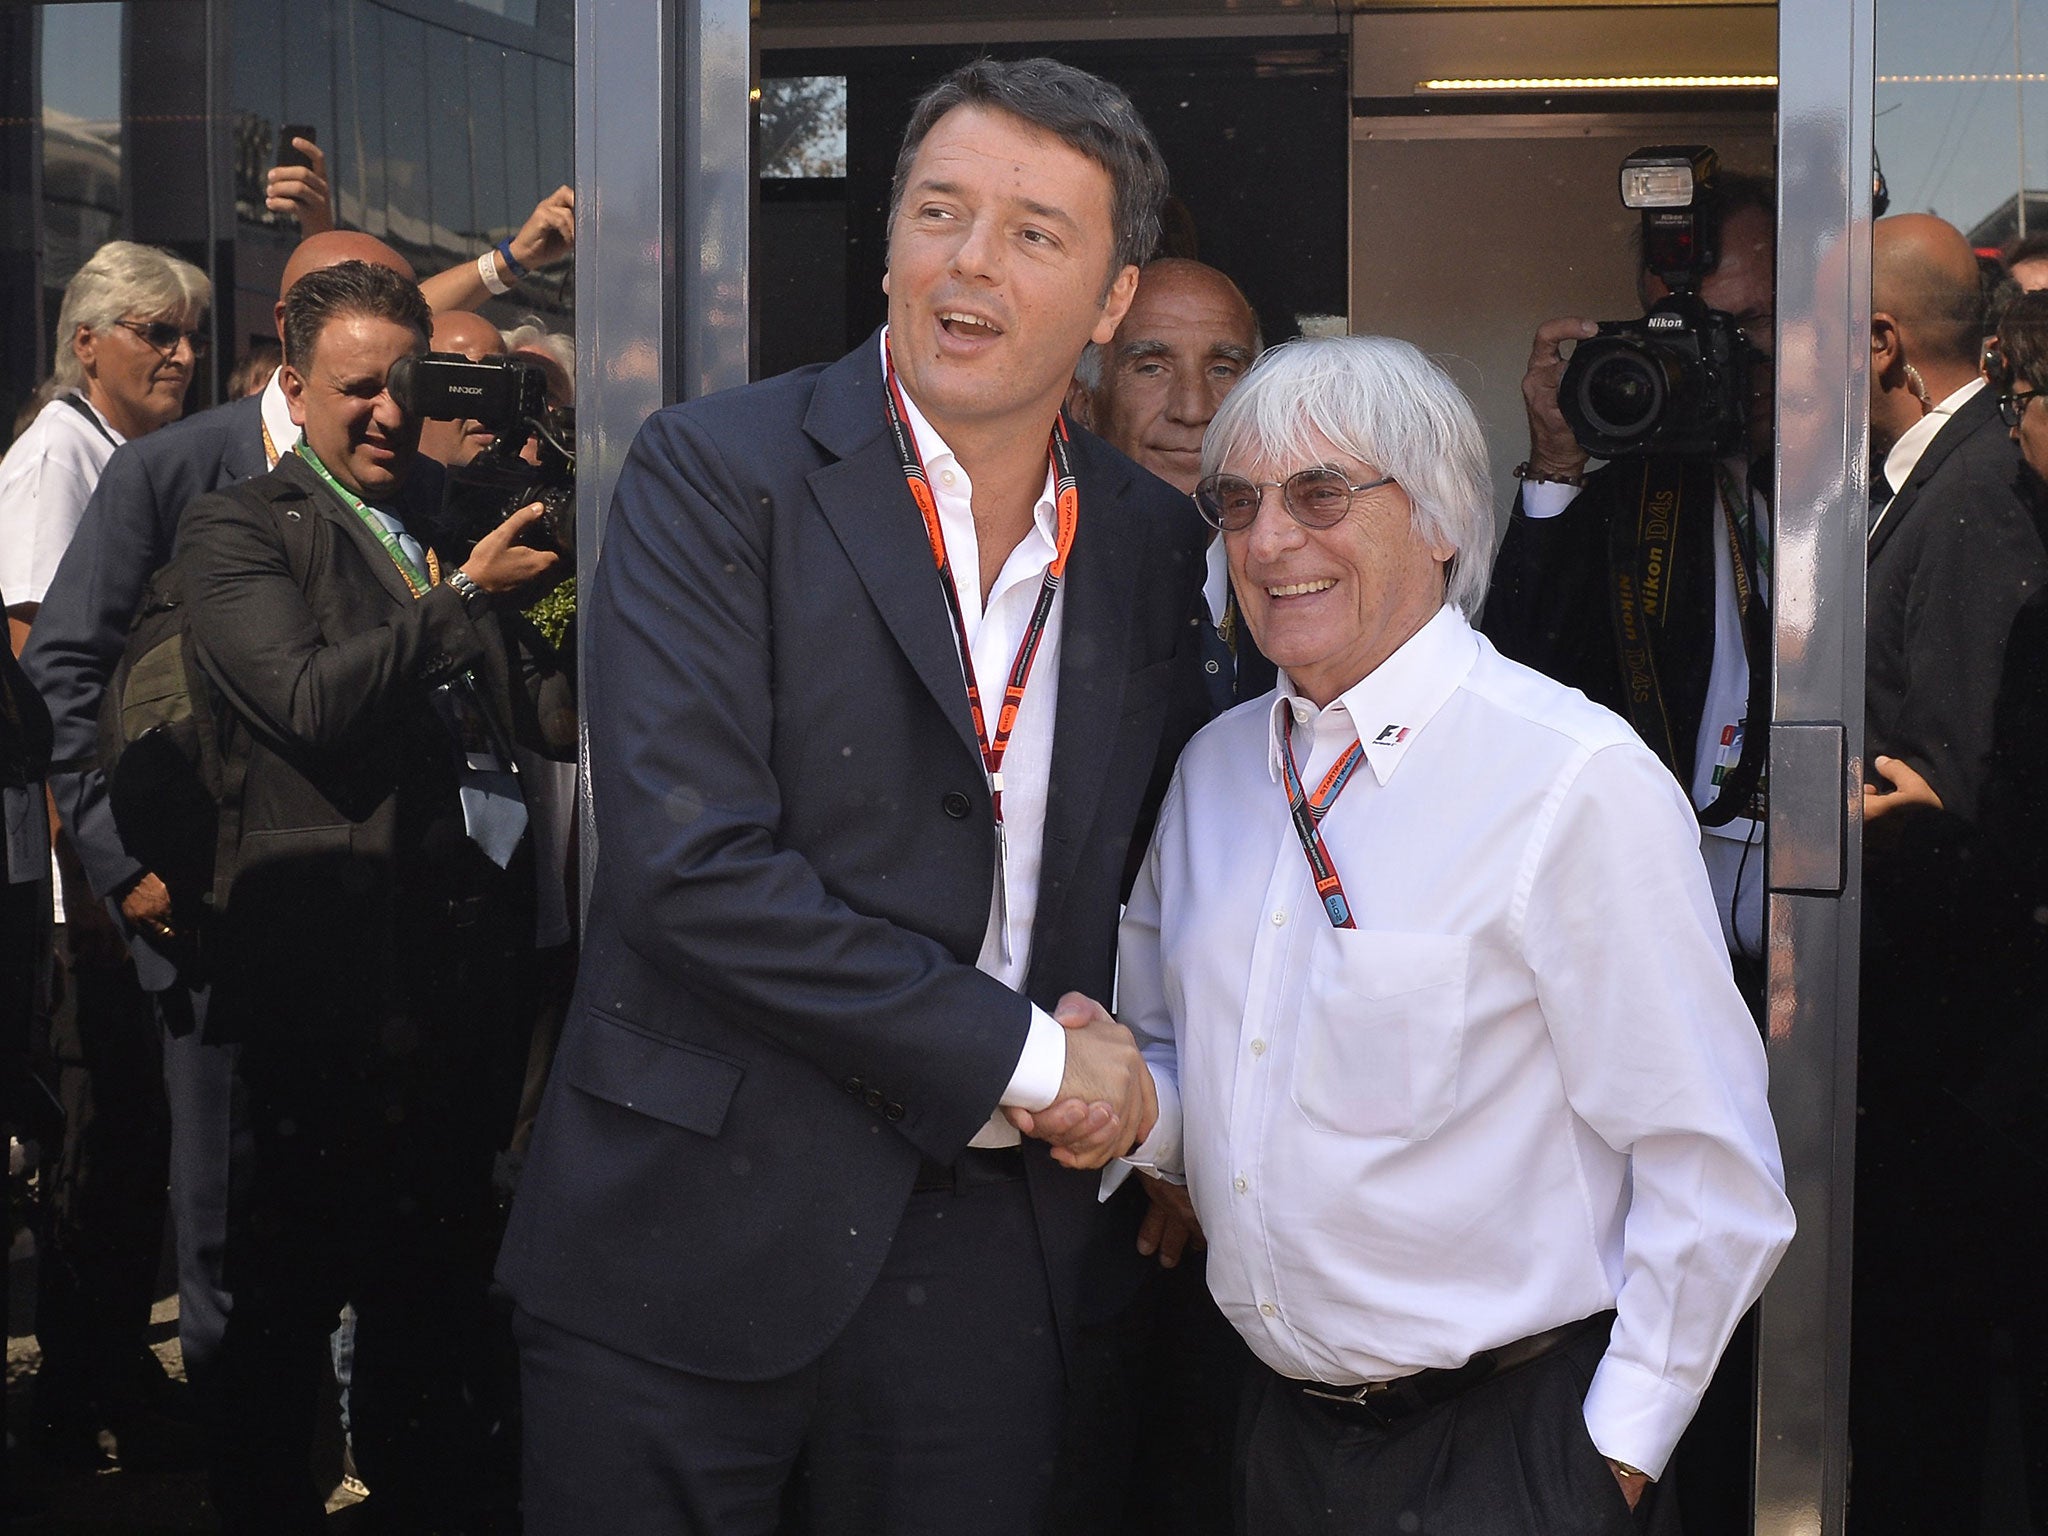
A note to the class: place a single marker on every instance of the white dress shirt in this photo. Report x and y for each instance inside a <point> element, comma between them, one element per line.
<point>994,629</point>
<point>277,418</point>
<point>1522,1091</point>
<point>1733,851</point>
<point>1216,580</point>
<point>46,479</point>
<point>1904,458</point>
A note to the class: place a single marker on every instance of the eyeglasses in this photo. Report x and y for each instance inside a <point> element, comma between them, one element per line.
<point>2012,406</point>
<point>1319,497</point>
<point>165,336</point>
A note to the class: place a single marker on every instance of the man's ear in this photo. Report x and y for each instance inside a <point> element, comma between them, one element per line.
<point>1887,351</point>
<point>293,383</point>
<point>1115,306</point>
<point>86,348</point>
<point>1080,405</point>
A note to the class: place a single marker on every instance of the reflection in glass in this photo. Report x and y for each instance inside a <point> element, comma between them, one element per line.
<point>405,135</point>
<point>445,110</point>
<point>803,127</point>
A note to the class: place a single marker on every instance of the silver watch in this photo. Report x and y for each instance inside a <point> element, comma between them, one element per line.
<point>474,598</point>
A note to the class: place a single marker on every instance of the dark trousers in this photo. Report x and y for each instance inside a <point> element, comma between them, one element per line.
<point>1509,1457</point>
<point>934,1413</point>
<point>367,1181</point>
<point>103,1226</point>
<point>209,1140</point>
<point>1152,1415</point>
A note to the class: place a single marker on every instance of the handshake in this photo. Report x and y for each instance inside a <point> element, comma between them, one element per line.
<point>1106,1104</point>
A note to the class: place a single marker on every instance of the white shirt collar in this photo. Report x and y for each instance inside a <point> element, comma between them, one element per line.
<point>277,416</point>
<point>1390,705</point>
<point>1905,454</point>
<point>1216,584</point>
<point>939,461</point>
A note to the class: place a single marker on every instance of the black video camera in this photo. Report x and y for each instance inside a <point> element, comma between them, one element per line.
<point>1676,382</point>
<point>510,399</point>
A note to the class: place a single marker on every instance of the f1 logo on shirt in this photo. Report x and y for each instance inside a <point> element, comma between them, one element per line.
<point>1391,736</point>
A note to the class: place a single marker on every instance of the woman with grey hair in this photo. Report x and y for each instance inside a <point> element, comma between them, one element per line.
<point>1445,1042</point>
<point>128,340</point>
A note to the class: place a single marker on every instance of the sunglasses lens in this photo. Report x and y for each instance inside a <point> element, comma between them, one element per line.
<point>1228,502</point>
<point>1319,497</point>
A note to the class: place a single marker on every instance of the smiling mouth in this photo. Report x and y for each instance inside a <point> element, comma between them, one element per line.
<point>1301,589</point>
<point>958,322</point>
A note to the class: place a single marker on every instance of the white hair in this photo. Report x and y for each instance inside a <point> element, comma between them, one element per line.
<point>121,279</point>
<point>1382,402</point>
<point>531,334</point>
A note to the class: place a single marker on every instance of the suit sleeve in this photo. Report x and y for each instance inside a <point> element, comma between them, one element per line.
<point>1543,605</point>
<point>261,645</point>
<point>680,709</point>
<point>1979,564</point>
<point>77,641</point>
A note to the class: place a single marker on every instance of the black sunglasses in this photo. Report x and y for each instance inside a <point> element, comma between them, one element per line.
<point>1318,497</point>
<point>2012,406</point>
<point>165,336</point>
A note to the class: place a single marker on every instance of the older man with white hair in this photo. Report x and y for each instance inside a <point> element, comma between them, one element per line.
<point>1430,980</point>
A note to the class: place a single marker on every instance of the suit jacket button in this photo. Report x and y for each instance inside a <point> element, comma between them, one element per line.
<point>872,1098</point>
<point>956,805</point>
<point>1213,666</point>
<point>853,1085</point>
<point>892,1111</point>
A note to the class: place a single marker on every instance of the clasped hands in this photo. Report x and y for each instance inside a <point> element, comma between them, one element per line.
<point>1106,1103</point>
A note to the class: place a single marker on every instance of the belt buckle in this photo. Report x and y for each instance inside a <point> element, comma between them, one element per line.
<point>1361,1397</point>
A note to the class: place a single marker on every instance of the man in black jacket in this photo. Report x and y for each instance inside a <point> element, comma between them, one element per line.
<point>378,897</point>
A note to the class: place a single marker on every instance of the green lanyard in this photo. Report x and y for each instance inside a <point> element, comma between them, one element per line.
<point>419,581</point>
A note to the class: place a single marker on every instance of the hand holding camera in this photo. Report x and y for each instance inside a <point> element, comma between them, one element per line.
<point>502,563</point>
<point>1554,453</point>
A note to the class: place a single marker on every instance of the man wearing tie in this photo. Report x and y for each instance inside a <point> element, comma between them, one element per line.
<point>886,658</point>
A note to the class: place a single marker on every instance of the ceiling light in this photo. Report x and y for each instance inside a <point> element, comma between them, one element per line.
<point>1605,83</point>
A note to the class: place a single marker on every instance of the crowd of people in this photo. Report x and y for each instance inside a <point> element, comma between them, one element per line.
<point>996,1085</point>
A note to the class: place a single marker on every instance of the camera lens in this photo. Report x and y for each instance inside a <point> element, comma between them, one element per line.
<point>1622,393</point>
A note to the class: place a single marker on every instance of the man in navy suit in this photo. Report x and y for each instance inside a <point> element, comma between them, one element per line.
<point>888,664</point>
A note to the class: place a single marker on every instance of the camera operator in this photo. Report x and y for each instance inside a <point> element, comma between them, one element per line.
<point>1645,584</point>
<point>373,913</point>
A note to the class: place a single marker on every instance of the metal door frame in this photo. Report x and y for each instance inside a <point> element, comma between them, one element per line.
<point>664,141</point>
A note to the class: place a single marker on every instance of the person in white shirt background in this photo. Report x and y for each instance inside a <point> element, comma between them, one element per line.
<point>1447,1048</point>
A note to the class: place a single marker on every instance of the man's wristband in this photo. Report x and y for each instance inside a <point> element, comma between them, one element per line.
<point>1524,471</point>
<point>487,270</point>
<point>504,249</point>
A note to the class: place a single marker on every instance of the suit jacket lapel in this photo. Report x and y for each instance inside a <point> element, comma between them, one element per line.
<point>324,504</point>
<point>242,456</point>
<point>1100,593</point>
<point>1969,419</point>
<point>869,508</point>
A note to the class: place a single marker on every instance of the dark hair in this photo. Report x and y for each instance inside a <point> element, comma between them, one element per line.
<point>2023,339</point>
<point>1734,191</point>
<point>2033,248</point>
<point>348,288</point>
<point>1082,112</point>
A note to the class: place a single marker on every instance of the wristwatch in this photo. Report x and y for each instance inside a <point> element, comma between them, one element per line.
<point>474,598</point>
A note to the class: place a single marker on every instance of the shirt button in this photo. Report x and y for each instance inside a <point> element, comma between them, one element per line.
<point>1258,1047</point>
<point>1301,714</point>
<point>1280,918</point>
<point>947,477</point>
<point>1241,1183</point>
<point>1267,1309</point>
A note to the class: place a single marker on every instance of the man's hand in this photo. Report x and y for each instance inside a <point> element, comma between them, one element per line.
<point>1632,1483</point>
<point>1106,1102</point>
<point>1908,787</point>
<point>499,565</point>
<point>549,232</point>
<point>1553,452</point>
<point>301,190</point>
<point>1169,1225</point>
<point>147,906</point>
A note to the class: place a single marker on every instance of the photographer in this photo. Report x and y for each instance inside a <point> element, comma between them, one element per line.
<point>371,922</point>
<point>1645,584</point>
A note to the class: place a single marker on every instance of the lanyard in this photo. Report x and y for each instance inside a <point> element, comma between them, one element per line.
<point>419,581</point>
<point>1308,812</point>
<point>1742,535</point>
<point>1067,500</point>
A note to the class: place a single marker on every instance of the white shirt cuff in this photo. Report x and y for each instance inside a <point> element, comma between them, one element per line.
<point>1635,1417</point>
<point>1547,498</point>
<point>1041,1069</point>
<point>1159,1154</point>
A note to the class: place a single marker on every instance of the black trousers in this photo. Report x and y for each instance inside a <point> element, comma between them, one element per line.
<point>367,1181</point>
<point>210,1144</point>
<point>1510,1457</point>
<point>934,1413</point>
<point>103,1227</point>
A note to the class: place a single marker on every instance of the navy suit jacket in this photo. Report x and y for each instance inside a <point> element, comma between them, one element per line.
<point>125,534</point>
<point>778,1011</point>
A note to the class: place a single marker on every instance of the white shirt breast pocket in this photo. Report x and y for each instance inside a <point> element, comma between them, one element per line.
<point>1382,1028</point>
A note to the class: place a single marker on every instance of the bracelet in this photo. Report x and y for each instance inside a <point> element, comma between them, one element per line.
<point>474,598</point>
<point>487,269</point>
<point>504,249</point>
<point>1523,471</point>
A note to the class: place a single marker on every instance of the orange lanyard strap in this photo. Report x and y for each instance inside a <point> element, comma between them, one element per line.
<point>1067,502</point>
<point>1308,812</point>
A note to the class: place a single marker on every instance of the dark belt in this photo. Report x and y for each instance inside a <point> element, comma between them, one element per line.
<point>973,1168</point>
<point>1387,1403</point>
